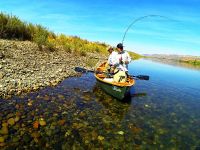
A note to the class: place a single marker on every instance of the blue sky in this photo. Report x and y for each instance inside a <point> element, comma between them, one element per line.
<point>107,20</point>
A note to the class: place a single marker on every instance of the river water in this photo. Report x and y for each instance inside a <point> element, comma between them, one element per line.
<point>163,113</point>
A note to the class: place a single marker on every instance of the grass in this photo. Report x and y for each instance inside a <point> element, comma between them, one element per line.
<point>134,55</point>
<point>11,27</point>
<point>192,61</point>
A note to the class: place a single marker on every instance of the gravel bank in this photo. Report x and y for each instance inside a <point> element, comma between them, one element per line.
<point>24,68</point>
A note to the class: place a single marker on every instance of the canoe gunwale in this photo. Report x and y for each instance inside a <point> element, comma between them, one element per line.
<point>115,83</point>
<point>130,82</point>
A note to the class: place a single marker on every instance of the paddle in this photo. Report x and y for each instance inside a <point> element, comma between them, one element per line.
<point>140,77</point>
<point>83,70</point>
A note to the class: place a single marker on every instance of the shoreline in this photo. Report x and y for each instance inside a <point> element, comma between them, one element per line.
<point>25,68</point>
<point>175,63</point>
<point>192,60</point>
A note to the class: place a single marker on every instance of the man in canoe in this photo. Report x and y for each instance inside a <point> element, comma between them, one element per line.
<point>112,60</point>
<point>123,59</point>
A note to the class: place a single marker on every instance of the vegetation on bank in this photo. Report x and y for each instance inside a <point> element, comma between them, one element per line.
<point>11,27</point>
<point>135,55</point>
<point>190,60</point>
<point>195,62</point>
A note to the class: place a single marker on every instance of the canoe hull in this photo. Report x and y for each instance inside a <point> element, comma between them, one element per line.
<point>118,92</point>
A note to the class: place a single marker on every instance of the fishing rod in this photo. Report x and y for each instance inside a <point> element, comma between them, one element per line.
<point>141,18</point>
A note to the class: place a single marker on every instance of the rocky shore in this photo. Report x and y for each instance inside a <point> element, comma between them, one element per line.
<point>24,68</point>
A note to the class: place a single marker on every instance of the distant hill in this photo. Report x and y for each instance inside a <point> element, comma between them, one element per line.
<point>195,60</point>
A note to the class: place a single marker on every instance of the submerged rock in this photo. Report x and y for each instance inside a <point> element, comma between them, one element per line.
<point>2,139</point>
<point>120,132</point>
<point>36,125</point>
<point>100,138</point>
<point>42,122</point>
<point>4,130</point>
<point>11,121</point>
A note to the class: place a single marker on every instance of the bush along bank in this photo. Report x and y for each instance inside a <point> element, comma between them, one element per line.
<point>13,28</point>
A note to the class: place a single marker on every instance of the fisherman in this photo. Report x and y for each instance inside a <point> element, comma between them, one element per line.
<point>112,60</point>
<point>123,59</point>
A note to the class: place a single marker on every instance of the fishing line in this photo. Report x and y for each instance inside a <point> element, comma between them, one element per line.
<point>141,18</point>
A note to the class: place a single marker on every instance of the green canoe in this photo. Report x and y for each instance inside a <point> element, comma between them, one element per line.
<point>116,89</point>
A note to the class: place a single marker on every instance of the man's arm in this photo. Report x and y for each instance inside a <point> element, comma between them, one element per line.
<point>128,58</point>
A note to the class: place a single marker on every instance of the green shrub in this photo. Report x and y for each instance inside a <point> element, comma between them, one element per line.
<point>12,27</point>
<point>50,46</point>
<point>83,53</point>
<point>67,48</point>
<point>40,36</point>
<point>134,55</point>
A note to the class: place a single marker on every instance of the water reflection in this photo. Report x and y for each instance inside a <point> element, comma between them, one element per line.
<point>116,108</point>
<point>76,113</point>
<point>139,95</point>
<point>176,63</point>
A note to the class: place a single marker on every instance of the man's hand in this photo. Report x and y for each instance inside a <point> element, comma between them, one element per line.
<point>121,62</point>
<point>126,62</point>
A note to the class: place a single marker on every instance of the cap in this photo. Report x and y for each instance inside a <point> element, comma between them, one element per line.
<point>120,45</point>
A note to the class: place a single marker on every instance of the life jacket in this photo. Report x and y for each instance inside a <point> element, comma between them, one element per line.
<point>119,76</point>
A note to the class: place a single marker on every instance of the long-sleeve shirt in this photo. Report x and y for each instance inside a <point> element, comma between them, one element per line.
<point>113,59</point>
<point>123,57</point>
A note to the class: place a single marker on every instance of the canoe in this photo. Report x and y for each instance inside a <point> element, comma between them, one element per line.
<point>115,89</point>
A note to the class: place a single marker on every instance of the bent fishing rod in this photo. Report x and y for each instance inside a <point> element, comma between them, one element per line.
<point>141,18</point>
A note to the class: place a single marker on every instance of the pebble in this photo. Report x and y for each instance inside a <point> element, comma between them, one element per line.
<point>1,139</point>
<point>2,75</point>
<point>11,121</point>
<point>120,132</point>
<point>146,105</point>
<point>4,130</point>
<point>36,125</point>
<point>100,138</point>
<point>42,122</point>
<point>17,118</point>
<point>30,104</point>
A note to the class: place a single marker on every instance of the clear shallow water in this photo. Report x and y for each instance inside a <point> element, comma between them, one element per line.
<point>164,113</point>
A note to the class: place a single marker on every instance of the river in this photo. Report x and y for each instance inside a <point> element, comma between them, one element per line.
<point>163,113</point>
